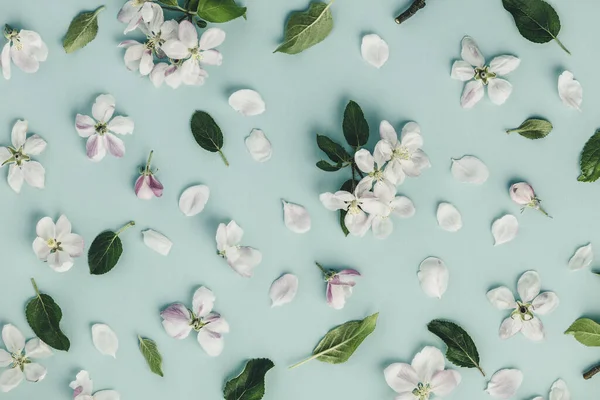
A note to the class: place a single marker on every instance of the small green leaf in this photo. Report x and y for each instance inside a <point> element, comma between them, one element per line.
<point>325,166</point>
<point>105,251</point>
<point>341,342</point>
<point>150,352</point>
<point>220,10</point>
<point>533,128</point>
<point>461,348</point>
<point>250,384</point>
<point>590,159</point>
<point>355,126</point>
<point>334,151</point>
<point>585,331</point>
<point>304,29</point>
<point>536,20</point>
<point>43,316</point>
<point>207,133</point>
<point>83,29</point>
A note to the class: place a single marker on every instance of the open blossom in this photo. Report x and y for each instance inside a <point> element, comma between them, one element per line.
<point>242,259</point>
<point>381,181</point>
<point>339,285</point>
<point>83,386</point>
<point>100,132</point>
<point>134,12</point>
<point>522,193</point>
<point>55,243</point>
<point>400,206</point>
<point>524,317</point>
<point>20,365</point>
<point>26,49</point>
<point>18,157</point>
<point>179,321</point>
<point>424,377</point>
<point>472,68</point>
<point>147,186</point>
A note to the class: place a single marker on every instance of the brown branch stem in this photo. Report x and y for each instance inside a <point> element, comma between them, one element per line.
<point>591,372</point>
<point>412,10</point>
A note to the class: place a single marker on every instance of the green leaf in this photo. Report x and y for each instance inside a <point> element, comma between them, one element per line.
<point>173,3</point>
<point>585,331</point>
<point>334,151</point>
<point>325,166</point>
<point>150,352</point>
<point>341,342</point>
<point>590,159</point>
<point>533,128</point>
<point>43,316</point>
<point>304,29</point>
<point>105,251</point>
<point>355,126</point>
<point>348,186</point>
<point>220,10</point>
<point>461,349</point>
<point>250,384</point>
<point>83,29</point>
<point>207,133</point>
<point>536,20</point>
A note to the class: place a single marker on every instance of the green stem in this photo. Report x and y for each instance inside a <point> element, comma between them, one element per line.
<point>562,46</point>
<point>304,361</point>
<point>481,370</point>
<point>98,10</point>
<point>323,270</point>
<point>224,158</point>
<point>149,160</point>
<point>177,8</point>
<point>37,292</point>
<point>128,225</point>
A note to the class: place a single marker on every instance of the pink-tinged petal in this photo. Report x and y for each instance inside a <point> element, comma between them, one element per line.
<point>510,326</point>
<point>103,107</point>
<point>216,323</point>
<point>462,70</point>
<point>133,56</point>
<point>128,11</point>
<point>125,44</point>
<point>211,57</point>
<point>472,94</point>
<point>15,177</point>
<point>157,76</point>
<point>444,382</point>
<point>46,229</point>
<point>24,60</point>
<point>146,63</point>
<point>499,90</point>
<point>176,321</point>
<point>34,174</point>
<point>121,125</point>
<point>188,35</point>
<point>82,384</point>
<point>470,52</point>
<point>502,298</point>
<point>203,301</point>
<point>175,49</point>
<point>133,24</point>
<point>115,146</point>
<point>402,378</point>
<point>41,249</point>
<point>533,329</point>
<point>192,74</point>
<point>60,261</point>
<point>34,145</point>
<point>545,303</point>
<point>13,338</point>
<point>34,372</point>
<point>337,294</point>
<point>5,61</point>
<point>348,272</point>
<point>142,188</point>
<point>10,379</point>
<point>427,362</point>
<point>212,342</point>
<point>156,187</point>
<point>19,133</point>
<point>173,77</point>
<point>72,244</point>
<point>529,285</point>
<point>85,125</point>
<point>95,147</point>
<point>522,193</point>
<point>77,391</point>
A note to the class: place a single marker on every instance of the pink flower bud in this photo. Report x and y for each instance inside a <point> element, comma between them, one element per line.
<point>147,186</point>
<point>522,193</point>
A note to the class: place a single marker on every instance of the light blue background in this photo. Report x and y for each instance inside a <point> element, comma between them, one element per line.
<point>305,95</point>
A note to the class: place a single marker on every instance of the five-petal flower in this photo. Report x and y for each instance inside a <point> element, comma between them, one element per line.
<point>83,386</point>
<point>55,243</point>
<point>25,48</point>
<point>242,259</point>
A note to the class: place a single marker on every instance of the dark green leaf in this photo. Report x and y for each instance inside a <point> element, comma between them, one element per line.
<point>533,128</point>
<point>355,126</point>
<point>220,10</point>
<point>334,151</point>
<point>304,29</point>
<point>105,251</point>
<point>461,349</point>
<point>250,384</point>
<point>348,186</point>
<point>536,20</point>
<point>150,352</point>
<point>173,3</point>
<point>585,331</point>
<point>207,133</point>
<point>341,342</point>
<point>83,29</point>
<point>325,166</point>
<point>590,159</point>
<point>43,316</point>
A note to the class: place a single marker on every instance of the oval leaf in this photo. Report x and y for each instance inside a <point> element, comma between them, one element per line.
<point>304,29</point>
<point>469,169</point>
<point>83,30</point>
<point>194,199</point>
<point>355,126</point>
<point>250,384</point>
<point>150,352</point>
<point>590,160</point>
<point>207,133</point>
<point>259,146</point>
<point>582,258</point>
<point>570,90</point>
<point>334,151</point>
<point>374,50</point>
<point>296,217</point>
<point>247,102</point>
<point>533,128</point>
<point>505,383</point>
<point>43,316</point>
<point>283,290</point>
<point>105,340</point>
<point>157,242</point>
<point>461,349</point>
<point>448,217</point>
<point>105,251</point>
<point>433,276</point>
<point>325,166</point>
<point>505,229</point>
<point>586,332</point>
<point>219,10</point>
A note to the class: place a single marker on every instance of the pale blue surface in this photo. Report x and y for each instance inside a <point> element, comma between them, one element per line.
<point>305,95</point>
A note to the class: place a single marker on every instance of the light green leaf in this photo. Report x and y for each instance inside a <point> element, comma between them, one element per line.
<point>105,251</point>
<point>43,316</point>
<point>250,384</point>
<point>220,10</point>
<point>590,160</point>
<point>304,29</point>
<point>533,128</point>
<point>355,126</point>
<point>586,332</point>
<point>334,151</point>
<point>207,133</point>
<point>83,29</point>
<point>461,348</point>
<point>150,352</point>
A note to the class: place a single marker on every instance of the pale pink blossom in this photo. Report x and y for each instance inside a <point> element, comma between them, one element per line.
<point>147,186</point>
<point>339,285</point>
<point>523,194</point>
<point>26,49</point>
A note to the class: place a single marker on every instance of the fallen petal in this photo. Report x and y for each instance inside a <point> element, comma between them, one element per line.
<point>105,340</point>
<point>433,275</point>
<point>296,217</point>
<point>505,383</point>
<point>259,146</point>
<point>570,90</point>
<point>505,229</point>
<point>157,242</point>
<point>469,169</point>
<point>560,391</point>
<point>193,199</point>
<point>283,290</point>
<point>448,217</point>
<point>374,50</point>
<point>582,258</point>
<point>247,102</point>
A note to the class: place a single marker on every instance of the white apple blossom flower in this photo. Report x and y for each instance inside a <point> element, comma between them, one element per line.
<point>472,68</point>
<point>56,245</point>
<point>18,157</point>
<point>242,259</point>
<point>400,206</point>
<point>26,49</point>
<point>381,181</point>
<point>424,377</point>
<point>179,321</point>
<point>339,285</point>
<point>83,386</point>
<point>100,132</point>
<point>558,391</point>
<point>532,303</point>
<point>20,365</point>
<point>134,12</point>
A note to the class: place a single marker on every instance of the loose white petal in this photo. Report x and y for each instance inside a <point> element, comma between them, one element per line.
<point>283,290</point>
<point>505,383</point>
<point>247,102</point>
<point>105,340</point>
<point>582,258</point>
<point>259,146</point>
<point>296,217</point>
<point>560,391</point>
<point>448,217</point>
<point>193,199</point>
<point>570,90</point>
<point>157,242</point>
<point>433,275</point>
<point>505,229</point>
<point>503,65</point>
<point>469,169</point>
<point>374,50</point>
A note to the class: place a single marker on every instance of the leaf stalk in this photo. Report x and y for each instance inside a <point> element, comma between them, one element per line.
<point>224,158</point>
<point>128,225</point>
<point>37,291</point>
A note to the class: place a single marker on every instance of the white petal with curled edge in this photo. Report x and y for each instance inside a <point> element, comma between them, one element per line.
<point>374,50</point>
<point>105,340</point>
<point>505,383</point>
<point>433,275</point>
<point>449,217</point>
<point>247,102</point>
<point>296,217</point>
<point>283,290</point>
<point>157,242</point>
<point>560,391</point>
<point>193,199</point>
<point>505,229</point>
<point>259,146</point>
<point>582,258</point>
<point>469,169</point>
<point>470,52</point>
<point>570,90</point>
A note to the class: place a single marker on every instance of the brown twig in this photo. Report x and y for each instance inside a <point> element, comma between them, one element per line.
<point>412,10</point>
<point>590,373</point>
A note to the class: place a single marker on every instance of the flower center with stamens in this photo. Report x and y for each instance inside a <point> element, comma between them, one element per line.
<point>19,360</point>
<point>484,75</point>
<point>377,174</point>
<point>422,391</point>
<point>53,245</point>
<point>353,208</point>
<point>196,53</point>
<point>17,156</point>
<point>401,153</point>
<point>101,128</point>
<point>197,323</point>
<point>523,311</point>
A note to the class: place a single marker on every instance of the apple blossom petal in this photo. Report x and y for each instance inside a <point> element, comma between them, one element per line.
<point>216,323</point>
<point>34,145</point>
<point>82,383</point>
<point>259,146</point>
<point>234,233</point>
<point>121,125</point>
<point>211,38</point>
<point>462,70</point>
<point>125,44</point>
<point>5,358</point>
<point>212,342</point>
<point>504,383</point>
<point>469,169</point>
<point>503,65</point>
<point>211,57</point>
<point>115,146</point>
<point>434,276</point>
<point>427,362</point>
<point>85,125</point>
<point>13,339</point>
<point>146,62</point>
<point>505,229</point>
<point>374,50</point>
<point>151,11</point>
<point>133,23</point>
<point>46,229</point>
<point>406,396</point>
<point>247,102</point>
<point>528,286</point>
<point>157,242</point>
<point>499,90</point>
<point>133,57</point>
<point>533,329</point>
<point>472,94</point>
<point>41,248</point>
<point>247,259</point>
<point>72,244</point>
<point>332,202</point>
<point>559,391</point>
<point>509,327</point>
<point>60,261</point>
<point>382,227</point>
<point>176,321</point>
<point>62,227</point>
<point>364,160</point>
<point>157,76</point>
<point>582,258</point>
<point>24,60</point>
<point>19,133</point>
<point>502,298</point>
<point>296,218</point>
<point>448,217</point>
<point>107,395</point>
<point>203,301</point>
<point>5,155</point>
<point>521,193</point>
<point>142,188</point>
<point>283,290</point>
<point>403,207</point>
<point>155,185</point>
<point>15,177</point>
<point>545,303</point>
<point>175,49</point>
<point>5,61</point>
<point>188,35</point>
<point>127,12</point>
<point>470,52</point>
<point>358,224</point>
<point>570,90</point>
<point>191,73</point>
<point>105,340</point>
<point>36,349</point>
<point>383,151</point>
<point>337,295</point>
<point>444,382</point>
<point>34,174</point>
<point>388,133</point>
<point>374,206</point>
<point>103,107</point>
<point>401,377</point>
<point>194,199</point>
<point>10,379</point>
<point>95,147</point>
